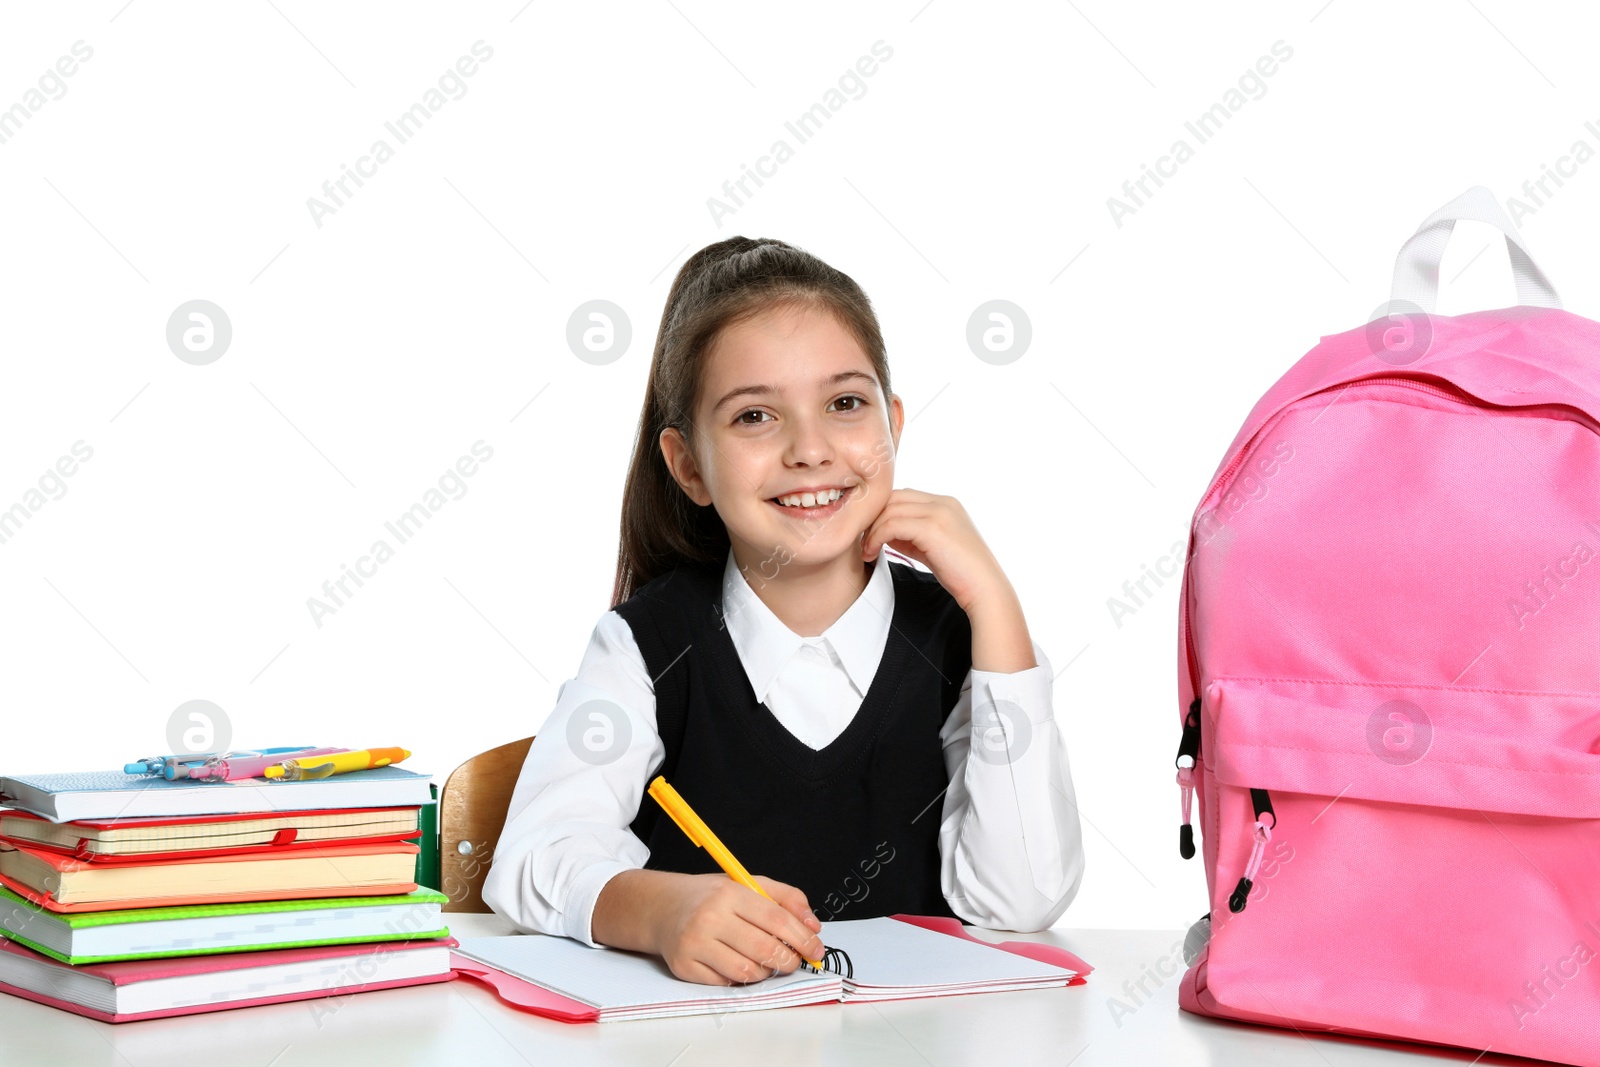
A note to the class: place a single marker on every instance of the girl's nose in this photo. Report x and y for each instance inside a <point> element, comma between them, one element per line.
<point>808,443</point>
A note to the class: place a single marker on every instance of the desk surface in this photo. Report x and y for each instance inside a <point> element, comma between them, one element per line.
<point>460,1022</point>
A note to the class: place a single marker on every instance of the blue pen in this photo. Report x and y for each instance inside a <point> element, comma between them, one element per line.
<point>158,764</point>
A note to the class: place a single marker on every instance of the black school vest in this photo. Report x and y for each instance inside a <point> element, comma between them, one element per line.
<point>854,825</point>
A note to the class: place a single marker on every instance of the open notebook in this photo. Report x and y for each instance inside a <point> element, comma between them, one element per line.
<point>891,958</point>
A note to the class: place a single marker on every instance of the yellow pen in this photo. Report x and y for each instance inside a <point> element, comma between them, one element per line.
<point>294,770</point>
<point>701,835</point>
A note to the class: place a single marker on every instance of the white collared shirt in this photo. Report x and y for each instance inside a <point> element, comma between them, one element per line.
<point>1010,845</point>
<point>812,685</point>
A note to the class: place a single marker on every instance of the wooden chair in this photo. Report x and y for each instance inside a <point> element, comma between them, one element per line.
<point>472,812</point>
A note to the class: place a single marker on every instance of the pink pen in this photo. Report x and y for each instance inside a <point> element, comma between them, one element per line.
<point>241,767</point>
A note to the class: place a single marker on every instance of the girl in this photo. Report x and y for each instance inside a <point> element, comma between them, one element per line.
<point>811,699</point>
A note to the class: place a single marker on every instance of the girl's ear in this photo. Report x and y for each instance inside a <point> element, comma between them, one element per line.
<point>897,419</point>
<point>682,466</point>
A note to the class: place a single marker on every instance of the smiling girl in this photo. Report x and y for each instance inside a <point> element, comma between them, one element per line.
<point>866,736</point>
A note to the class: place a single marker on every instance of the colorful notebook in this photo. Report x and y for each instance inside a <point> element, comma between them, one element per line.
<point>152,989</point>
<point>891,958</point>
<point>152,933</point>
<point>61,883</point>
<point>113,795</point>
<point>118,840</point>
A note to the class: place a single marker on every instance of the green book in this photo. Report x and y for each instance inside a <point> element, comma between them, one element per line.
<point>428,859</point>
<point>208,929</point>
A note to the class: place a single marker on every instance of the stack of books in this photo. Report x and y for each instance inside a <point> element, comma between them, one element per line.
<point>127,897</point>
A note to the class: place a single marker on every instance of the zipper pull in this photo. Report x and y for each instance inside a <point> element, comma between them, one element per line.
<point>1185,802</point>
<point>1188,749</point>
<point>1265,821</point>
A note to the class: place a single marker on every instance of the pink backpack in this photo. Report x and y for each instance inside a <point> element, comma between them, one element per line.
<point>1389,674</point>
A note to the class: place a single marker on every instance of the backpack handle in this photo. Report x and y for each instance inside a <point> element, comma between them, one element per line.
<point>1416,269</point>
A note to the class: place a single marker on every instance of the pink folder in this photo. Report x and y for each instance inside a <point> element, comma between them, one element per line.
<point>130,971</point>
<point>541,1001</point>
<point>525,995</point>
<point>1033,950</point>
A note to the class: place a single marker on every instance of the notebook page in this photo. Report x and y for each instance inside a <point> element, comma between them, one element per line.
<point>894,958</point>
<point>617,981</point>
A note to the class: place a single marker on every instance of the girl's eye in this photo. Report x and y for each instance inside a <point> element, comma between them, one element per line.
<point>744,419</point>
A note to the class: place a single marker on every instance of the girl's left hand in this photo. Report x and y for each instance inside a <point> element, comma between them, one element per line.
<point>937,532</point>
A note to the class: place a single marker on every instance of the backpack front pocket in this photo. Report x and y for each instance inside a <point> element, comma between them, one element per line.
<point>1429,866</point>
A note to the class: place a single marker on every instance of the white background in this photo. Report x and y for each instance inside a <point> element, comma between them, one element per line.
<point>429,312</point>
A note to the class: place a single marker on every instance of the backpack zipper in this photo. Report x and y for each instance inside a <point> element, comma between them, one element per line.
<point>1188,749</point>
<point>1263,833</point>
<point>1447,391</point>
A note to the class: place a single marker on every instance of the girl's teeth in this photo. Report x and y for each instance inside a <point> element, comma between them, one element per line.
<point>811,500</point>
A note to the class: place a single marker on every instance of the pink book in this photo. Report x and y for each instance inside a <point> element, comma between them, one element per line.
<point>187,985</point>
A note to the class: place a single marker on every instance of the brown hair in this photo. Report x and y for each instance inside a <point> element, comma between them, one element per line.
<point>719,286</point>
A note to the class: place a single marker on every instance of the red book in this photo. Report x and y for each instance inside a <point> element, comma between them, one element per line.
<point>125,840</point>
<point>61,883</point>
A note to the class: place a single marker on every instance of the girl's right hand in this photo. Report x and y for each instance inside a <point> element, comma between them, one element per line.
<point>712,930</point>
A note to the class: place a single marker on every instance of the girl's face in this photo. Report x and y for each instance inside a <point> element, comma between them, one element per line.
<point>789,404</point>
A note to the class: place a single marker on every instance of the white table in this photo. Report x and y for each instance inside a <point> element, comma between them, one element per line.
<point>462,1023</point>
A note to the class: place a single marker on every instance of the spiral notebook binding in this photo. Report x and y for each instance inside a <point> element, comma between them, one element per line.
<point>834,961</point>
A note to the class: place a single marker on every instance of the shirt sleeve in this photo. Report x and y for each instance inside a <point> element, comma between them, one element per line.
<point>1010,845</point>
<point>567,829</point>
